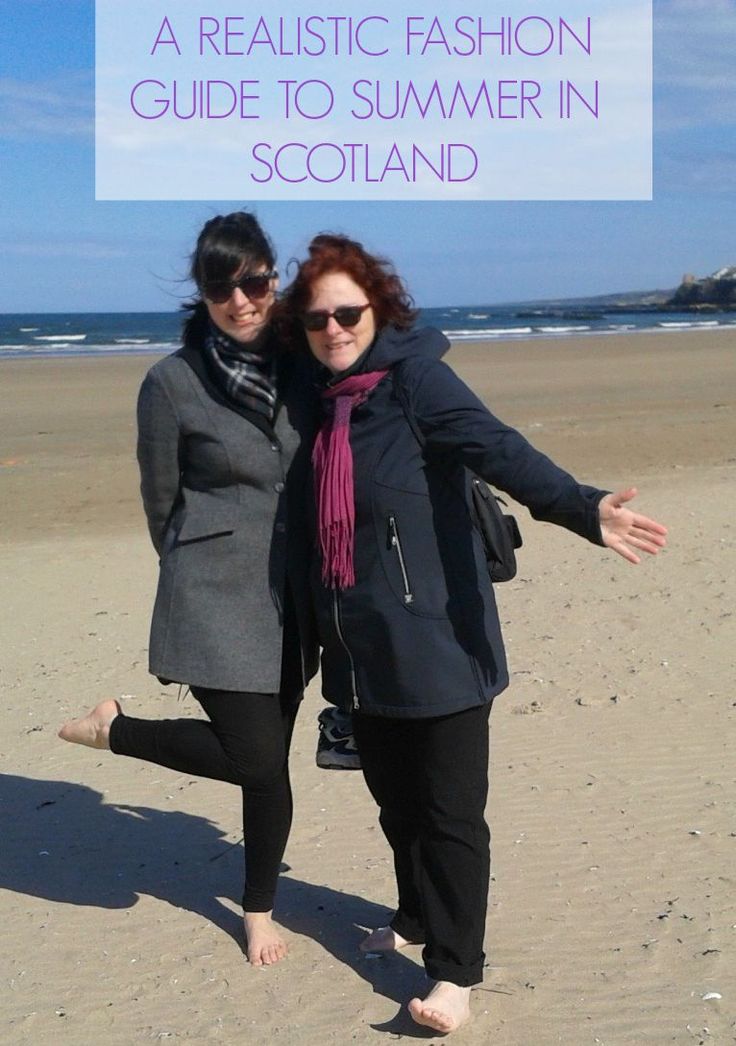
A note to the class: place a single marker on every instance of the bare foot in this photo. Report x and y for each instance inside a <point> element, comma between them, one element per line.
<point>94,729</point>
<point>264,943</point>
<point>446,1007</point>
<point>384,939</point>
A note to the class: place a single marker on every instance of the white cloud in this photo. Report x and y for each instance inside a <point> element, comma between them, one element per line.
<point>712,174</point>
<point>695,41</point>
<point>61,108</point>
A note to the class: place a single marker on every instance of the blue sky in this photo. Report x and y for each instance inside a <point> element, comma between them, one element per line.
<point>60,250</point>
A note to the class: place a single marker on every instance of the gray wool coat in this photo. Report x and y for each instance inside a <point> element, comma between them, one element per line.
<point>223,492</point>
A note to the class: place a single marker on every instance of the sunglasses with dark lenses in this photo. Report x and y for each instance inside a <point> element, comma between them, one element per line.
<point>253,285</point>
<point>346,316</point>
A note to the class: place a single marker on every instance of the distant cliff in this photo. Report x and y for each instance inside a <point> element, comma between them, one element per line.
<point>709,292</point>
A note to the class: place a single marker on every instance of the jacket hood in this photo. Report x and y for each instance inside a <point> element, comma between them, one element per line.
<point>392,345</point>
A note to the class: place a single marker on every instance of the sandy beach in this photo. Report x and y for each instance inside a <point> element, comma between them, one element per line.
<point>612,915</point>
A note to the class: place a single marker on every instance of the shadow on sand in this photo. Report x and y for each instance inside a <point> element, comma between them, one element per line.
<point>62,842</point>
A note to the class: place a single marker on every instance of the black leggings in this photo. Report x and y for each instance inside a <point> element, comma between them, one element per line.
<point>246,742</point>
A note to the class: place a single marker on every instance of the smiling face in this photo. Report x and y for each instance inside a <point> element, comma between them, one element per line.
<point>241,317</point>
<point>336,347</point>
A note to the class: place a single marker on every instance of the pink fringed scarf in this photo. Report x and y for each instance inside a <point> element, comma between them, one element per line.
<point>332,460</point>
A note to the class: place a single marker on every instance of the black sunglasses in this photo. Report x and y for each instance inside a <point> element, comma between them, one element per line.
<point>345,315</point>
<point>253,285</point>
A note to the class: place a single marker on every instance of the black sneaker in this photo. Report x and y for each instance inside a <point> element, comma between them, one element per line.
<point>336,748</point>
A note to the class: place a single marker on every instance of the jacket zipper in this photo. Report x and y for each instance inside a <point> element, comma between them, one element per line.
<point>395,542</point>
<point>341,637</point>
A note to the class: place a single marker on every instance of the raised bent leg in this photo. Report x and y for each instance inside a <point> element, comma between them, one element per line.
<point>246,743</point>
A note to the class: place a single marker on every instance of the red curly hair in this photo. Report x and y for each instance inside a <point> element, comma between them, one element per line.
<point>328,252</point>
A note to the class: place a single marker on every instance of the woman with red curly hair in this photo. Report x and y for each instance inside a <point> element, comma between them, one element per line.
<point>411,639</point>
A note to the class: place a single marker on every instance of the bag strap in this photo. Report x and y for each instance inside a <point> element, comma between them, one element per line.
<point>403,398</point>
<point>499,532</point>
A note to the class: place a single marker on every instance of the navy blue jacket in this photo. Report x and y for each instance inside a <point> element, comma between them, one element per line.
<point>418,635</point>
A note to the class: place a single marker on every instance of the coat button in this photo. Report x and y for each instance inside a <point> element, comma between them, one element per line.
<point>278,487</point>
<point>280,528</point>
<point>275,446</point>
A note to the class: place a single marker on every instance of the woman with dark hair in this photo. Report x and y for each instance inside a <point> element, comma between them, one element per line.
<point>224,431</point>
<point>406,612</point>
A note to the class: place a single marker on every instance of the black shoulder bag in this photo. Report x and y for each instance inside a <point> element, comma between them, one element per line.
<point>499,531</point>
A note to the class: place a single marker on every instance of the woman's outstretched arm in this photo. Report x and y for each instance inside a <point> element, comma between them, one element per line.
<point>455,421</point>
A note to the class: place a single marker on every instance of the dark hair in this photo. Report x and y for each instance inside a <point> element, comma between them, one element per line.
<point>328,252</point>
<point>227,242</point>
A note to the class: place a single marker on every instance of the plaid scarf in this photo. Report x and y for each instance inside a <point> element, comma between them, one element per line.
<point>244,376</point>
<point>332,460</point>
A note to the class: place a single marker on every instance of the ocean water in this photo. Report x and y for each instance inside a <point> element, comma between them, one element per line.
<point>28,335</point>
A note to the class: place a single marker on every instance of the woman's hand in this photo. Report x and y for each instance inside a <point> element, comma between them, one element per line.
<point>624,530</point>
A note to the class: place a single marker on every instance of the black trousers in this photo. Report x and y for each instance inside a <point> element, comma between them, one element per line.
<point>246,742</point>
<point>430,780</point>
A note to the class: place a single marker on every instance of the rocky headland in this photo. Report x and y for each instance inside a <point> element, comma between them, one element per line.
<point>707,293</point>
